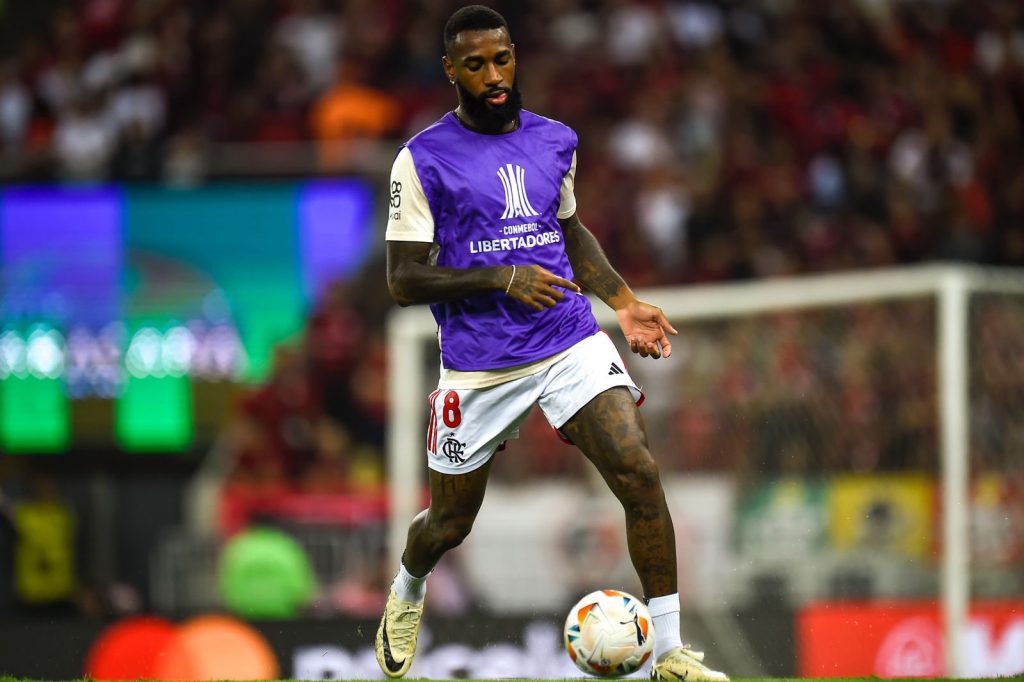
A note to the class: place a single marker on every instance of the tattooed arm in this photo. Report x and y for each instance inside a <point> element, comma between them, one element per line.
<point>643,324</point>
<point>591,266</point>
<point>412,279</point>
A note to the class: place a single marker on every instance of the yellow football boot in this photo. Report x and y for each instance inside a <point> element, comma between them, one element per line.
<point>396,636</point>
<point>682,663</point>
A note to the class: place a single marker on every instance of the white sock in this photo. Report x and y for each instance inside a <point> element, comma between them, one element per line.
<point>408,587</point>
<point>665,614</point>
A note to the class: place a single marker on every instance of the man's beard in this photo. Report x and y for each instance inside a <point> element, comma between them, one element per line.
<point>487,117</point>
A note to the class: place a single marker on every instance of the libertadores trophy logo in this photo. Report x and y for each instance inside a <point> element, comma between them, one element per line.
<point>517,205</point>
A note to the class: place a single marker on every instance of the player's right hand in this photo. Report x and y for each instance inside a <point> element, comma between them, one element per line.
<point>646,329</point>
<point>538,287</point>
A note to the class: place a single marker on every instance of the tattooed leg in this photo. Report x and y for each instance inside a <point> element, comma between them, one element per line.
<point>454,503</point>
<point>610,432</point>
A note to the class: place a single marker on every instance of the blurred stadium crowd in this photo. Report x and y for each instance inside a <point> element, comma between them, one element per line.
<point>319,419</point>
<point>719,139</point>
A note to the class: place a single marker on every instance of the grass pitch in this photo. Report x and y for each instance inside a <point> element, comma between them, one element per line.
<point>1012,678</point>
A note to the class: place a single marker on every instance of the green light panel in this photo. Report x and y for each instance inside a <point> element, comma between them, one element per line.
<point>155,414</point>
<point>34,415</point>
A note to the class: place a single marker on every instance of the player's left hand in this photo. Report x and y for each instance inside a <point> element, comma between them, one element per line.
<point>646,329</point>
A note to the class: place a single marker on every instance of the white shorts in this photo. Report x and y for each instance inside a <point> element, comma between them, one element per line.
<point>467,425</point>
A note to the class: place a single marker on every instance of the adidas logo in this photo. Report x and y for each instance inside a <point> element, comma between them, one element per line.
<point>615,369</point>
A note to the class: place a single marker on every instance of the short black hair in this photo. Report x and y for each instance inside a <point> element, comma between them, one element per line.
<point>470,18</point>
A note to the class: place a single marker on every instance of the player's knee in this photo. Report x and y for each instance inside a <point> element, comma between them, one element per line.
<point>638,478</point>
<point>450,532</point>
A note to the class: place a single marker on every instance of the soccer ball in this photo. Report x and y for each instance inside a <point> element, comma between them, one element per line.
<point>609,633</point>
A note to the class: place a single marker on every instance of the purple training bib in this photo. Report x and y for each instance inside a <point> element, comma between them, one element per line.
<point>495,199</point>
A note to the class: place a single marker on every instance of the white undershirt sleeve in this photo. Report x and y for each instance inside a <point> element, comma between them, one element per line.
<point>568,197</point>
<point>409,216</point>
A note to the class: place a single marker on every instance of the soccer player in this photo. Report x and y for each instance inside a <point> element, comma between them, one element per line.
<point>483,227</point>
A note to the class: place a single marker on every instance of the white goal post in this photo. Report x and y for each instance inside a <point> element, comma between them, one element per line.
<point>950,285</point>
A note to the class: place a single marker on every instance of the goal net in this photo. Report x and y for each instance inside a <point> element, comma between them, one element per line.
<point>820,438</point>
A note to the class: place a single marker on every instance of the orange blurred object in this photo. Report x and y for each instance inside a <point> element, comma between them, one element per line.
<point>217,648</point>
<point>204,648</point>
<point>129,649</point>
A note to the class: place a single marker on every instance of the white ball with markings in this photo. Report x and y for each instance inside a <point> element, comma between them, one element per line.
<point>609,633</point>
